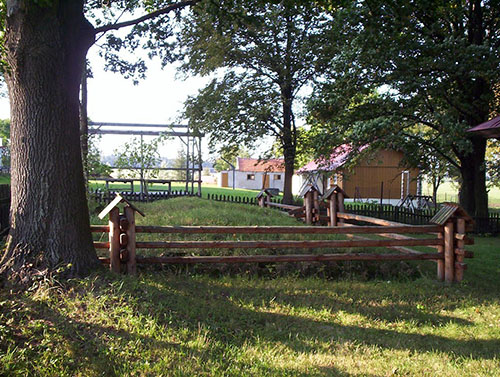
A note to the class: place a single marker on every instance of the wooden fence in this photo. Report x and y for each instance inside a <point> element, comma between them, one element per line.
<point>484,225</point>
<point>231,198</point>
<point>448,239</point>
<point>104,196</point>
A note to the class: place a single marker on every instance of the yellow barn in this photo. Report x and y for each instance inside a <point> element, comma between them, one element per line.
<point>375,175</point>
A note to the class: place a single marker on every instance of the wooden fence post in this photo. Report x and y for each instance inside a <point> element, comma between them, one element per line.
<point>449,253</point>
<point>316,217</point>
<point>308,202</point>
<point>114,240</point>
<point>131,262</point>
<point>440,262</point>
<point>459,251</point>
<point>332,209</point>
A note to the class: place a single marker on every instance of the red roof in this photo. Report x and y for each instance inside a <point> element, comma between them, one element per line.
<point>339,157</point>
<point>254,165</point>
<point>488,129</point>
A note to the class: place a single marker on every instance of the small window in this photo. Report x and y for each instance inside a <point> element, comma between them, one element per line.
<point>277,177</point>
<point>250,177</point>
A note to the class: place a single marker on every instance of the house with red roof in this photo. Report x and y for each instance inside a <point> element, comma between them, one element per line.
<point>371,176</point>
<point>254,174</point>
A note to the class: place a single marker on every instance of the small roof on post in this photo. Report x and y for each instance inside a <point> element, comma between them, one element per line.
<point>449,211</point>
<point>267,192</point>
<point>308,188</point>
<point>333,190</point>
<point>489,129</point>
<point>117,200</point>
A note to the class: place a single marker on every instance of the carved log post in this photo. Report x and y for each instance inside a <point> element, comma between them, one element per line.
<point>440,263</point>
<point>449,253</point>
<point>308,201</point>
<point>332,209</point>
<point>460,251</point>
<point>316,218</point>
<point>130,232</point>
<point>114,240</point>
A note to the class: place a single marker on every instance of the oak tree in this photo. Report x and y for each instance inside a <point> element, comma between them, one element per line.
<point>44,46</point>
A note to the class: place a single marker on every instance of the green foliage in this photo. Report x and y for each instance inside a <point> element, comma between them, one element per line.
<point>493,162</point>
<point>408,72</point>
<point>230,154</point>
<point>179,163</point>
<point>5,137</point>
<point>137,154</point>
<point>264,54</point>
<point>95,167</point>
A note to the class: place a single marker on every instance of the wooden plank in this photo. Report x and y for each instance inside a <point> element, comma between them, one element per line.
<point>419,229</point>
<point>284,206</point>
<point>99,228</point>
<point>296,211</point>
<point>283,258</point>
<point>464,253</point>
<point>285,244</point>
<point>401,249</point>
<point>101,245</point>
<point>373,220</point>
<point>288,258</point>
<point>114,239</point>
<point>118,198</point>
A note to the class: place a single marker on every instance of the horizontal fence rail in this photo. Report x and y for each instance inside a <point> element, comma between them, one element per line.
<point>278,229</point>
<point>290,258</point>
<point>448,229</point>
<point>285,244</point>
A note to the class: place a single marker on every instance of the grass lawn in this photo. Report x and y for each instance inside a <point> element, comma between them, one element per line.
<point>4,179</point>
<point>448,192</point>
<point>188,322</point>
<point>206,189</point>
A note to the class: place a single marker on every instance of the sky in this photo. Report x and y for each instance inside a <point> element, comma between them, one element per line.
<point>157,99</point>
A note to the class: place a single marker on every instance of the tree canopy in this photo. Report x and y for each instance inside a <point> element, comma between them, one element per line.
<point>418,73</point>
<point>264,54</point>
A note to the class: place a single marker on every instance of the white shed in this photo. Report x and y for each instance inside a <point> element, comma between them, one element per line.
<point>254,174</point>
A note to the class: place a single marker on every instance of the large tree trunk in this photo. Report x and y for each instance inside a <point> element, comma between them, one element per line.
<point>45,50</point>
<point>289,145</point>
<point>84,126</point>
<point>473,195</point>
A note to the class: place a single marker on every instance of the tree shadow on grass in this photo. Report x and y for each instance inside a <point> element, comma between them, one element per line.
<point>88,346</point>
<point>234,317</point>
<point>228,311</point>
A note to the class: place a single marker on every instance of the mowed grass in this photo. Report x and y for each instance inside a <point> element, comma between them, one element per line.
<point>205,189</point>
<point>183,322</point>
<point>448,192</point>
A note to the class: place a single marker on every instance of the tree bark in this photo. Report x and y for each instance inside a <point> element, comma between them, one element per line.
<point>473,196</point>
<point>289,145</point>
<point>45,50</point>
<point>84,124</point>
